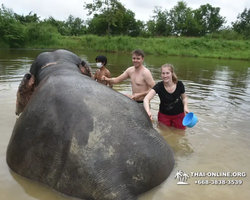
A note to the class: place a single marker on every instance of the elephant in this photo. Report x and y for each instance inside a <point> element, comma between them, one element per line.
<point>84,139</point>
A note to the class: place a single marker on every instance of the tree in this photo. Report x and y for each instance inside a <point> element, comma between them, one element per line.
<point>76,26</point>
<point>128,25</point>
<point>116,20</point>
<point>41,33</point>
<point>208,19</point>
<point>180,18</point>
<point>162,27</point>
<point>111,10</point>
<point>150,28</point>
<point>242,24</point>
<point>11,31</point>
<point>139,30</point>
<point>97,25</point>
<point>61,26</point>
<point>199,22</point>
<point>27,19</point>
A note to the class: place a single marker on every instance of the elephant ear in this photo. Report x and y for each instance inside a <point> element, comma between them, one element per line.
<point>85,69</point>
<point>24,92</point>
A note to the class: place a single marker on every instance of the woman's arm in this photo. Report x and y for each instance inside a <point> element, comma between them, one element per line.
<point>185,103</point>
<point>146,101</point>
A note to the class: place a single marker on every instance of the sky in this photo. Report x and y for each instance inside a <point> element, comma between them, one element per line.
<point>143,9</point>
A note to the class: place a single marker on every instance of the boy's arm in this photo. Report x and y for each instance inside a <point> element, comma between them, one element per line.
<point>96,75</point>
<point>108,74</point>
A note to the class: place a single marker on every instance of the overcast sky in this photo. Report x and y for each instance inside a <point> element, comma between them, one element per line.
<point>143,9</point>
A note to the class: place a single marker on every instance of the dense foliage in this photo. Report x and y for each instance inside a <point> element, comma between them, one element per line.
<point>111,18</point>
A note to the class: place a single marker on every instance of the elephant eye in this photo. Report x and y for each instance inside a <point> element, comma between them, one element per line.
<point>27,76</point>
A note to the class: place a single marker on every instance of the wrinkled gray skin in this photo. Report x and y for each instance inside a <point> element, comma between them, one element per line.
<point>86,140</point>
<point>45,60</point>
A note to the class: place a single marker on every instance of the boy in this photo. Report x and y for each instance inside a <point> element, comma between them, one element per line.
<point>101,62</point>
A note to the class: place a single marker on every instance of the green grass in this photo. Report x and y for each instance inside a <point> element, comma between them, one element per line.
<point>174,46</point>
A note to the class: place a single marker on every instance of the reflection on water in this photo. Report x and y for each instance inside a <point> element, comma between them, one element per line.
<point>218,93</point>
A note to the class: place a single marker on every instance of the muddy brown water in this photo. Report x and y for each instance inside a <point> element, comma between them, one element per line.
<point>216,148</point>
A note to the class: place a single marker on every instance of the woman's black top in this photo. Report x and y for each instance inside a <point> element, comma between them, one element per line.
<point>170,103</point>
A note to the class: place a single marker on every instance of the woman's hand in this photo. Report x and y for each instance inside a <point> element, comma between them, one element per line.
<point>150,115</point>
<point>186,111</point>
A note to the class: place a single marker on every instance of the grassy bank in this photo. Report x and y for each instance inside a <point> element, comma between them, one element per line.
<point>194,47</point>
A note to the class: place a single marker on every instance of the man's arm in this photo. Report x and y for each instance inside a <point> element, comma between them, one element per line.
<point>138,95</point>
<point>118,79</point>
<point>150,83</point>
<point>149,79</point>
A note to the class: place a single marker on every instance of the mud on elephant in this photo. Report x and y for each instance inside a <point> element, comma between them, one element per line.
<point>67,141</point>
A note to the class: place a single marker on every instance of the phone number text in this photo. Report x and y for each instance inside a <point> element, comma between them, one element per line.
<point>218,182</point>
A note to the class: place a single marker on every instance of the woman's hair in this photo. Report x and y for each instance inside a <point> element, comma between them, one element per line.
<point>171,67</point>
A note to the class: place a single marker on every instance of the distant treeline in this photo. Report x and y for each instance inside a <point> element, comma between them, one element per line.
<point>110,17</point>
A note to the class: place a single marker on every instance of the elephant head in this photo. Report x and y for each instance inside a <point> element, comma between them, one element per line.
<point>69,140</point>
<point>29,81</point>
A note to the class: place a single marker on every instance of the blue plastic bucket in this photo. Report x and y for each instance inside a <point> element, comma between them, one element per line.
<point>189,120</point>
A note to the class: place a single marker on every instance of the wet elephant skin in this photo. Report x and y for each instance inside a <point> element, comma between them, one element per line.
<point>85,140</point>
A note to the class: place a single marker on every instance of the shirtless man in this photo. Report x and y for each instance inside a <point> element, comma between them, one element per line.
<point>101,62</point>
<point>140,77</point>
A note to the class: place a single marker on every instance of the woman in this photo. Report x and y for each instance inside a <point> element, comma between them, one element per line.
<point>173,100</point>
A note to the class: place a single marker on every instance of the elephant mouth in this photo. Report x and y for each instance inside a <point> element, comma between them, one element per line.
<point>48,64</point>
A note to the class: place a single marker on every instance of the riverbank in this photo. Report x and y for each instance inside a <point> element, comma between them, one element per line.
<point>172,46</point>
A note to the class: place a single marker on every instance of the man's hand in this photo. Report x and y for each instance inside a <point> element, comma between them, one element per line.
<point>135,96</point>
<point>132,96</point>
<point>105,78</point>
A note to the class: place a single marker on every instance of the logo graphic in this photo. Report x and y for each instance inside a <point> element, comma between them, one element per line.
<point>182,177</point>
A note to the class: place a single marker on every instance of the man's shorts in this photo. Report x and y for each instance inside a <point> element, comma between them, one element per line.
<point>172,120</point>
